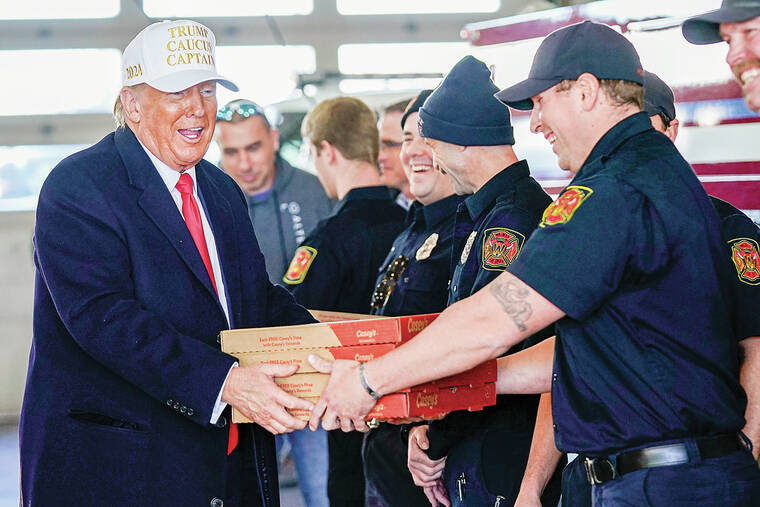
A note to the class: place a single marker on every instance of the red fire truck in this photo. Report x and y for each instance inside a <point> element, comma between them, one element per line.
<point>717,132</point>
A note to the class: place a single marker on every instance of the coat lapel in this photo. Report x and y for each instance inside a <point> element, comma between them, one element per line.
<point>158,204</point>
<point>222,221</point>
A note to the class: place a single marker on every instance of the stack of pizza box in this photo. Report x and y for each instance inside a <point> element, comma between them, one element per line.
<point>361,338</point>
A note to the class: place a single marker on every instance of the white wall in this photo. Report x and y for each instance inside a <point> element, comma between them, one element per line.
<point>16,292</point>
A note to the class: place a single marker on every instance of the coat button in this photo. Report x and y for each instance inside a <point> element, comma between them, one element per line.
<point>176,405</point>
<point>222,422</point>
<point>169,402</point>
<point>190,411</point>
<point>217,502</point>
<point>183,409</point>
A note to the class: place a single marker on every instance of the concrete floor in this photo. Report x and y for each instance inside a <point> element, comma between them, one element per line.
<point>9,470</point>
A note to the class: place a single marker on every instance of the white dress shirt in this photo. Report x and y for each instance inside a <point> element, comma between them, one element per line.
<point>170,178</point>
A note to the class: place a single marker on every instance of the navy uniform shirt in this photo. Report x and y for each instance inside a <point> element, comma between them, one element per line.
<point>334,269</point>
<point>631,252</point>
<point>335,266</point>
<point>418,280</point>
<point>491,227</point>
<point>741,237</point>
<point>490,230</point>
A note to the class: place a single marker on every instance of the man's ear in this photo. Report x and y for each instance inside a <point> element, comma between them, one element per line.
<point>588,87</point>
<point>275,138</point>
<point>131,104</point>
<point>328,151</point>
<point>672,130</point>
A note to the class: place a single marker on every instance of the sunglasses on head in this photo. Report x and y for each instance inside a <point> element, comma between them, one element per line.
<point>243,108</point>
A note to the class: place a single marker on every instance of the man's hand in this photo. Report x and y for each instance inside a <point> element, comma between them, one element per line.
<point>424,470</point>
<point>344,402</point>
<point>252,391</point>
<point>437,494</point>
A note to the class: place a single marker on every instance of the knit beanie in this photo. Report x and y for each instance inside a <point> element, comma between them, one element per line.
<point>415,104</point>
<point>463,109</point>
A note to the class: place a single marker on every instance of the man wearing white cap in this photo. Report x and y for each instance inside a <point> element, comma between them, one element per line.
<point>144,253</point>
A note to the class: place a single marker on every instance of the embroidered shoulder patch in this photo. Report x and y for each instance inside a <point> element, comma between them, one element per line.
<point>299,266</point>
<point>500,247</point>
<point>565,206</point>
<point>744,253</point>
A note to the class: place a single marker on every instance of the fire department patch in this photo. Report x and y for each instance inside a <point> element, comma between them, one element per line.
<point>468,247</point>
<point>299,266</point>
<point>565,206</point>
<point>500,247</point>
<point>744,253</point>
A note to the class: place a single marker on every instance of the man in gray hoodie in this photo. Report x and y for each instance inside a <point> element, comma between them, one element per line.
<point>285,204</point>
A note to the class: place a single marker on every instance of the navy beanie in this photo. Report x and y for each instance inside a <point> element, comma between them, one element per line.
<point>414,105</point>
<point>463,109</point>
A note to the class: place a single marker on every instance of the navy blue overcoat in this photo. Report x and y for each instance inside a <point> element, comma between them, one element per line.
<point>125,366</point>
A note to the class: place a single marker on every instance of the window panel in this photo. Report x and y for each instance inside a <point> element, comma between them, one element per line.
<point>57,9</point>
<point>60,81</point>
<point>350,7</point>
<point>225,8</point>
<point>264,74</point>
<point>23,169</point>
<point>401,58</point>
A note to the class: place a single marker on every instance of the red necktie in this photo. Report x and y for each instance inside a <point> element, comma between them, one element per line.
<point>194,224</point>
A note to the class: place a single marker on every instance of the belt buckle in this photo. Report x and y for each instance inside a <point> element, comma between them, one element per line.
<point>599,470</point>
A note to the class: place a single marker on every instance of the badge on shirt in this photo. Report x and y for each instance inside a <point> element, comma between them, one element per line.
<point>299,266</point>
<point>744,253</point>
<point>468,246</point>
<point>500,247</point>
<point>563,209</point>
<point>426,249</point>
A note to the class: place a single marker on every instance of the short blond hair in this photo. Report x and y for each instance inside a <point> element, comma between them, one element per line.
<point>620,92</point>
<point>118,112</point>
<point>346,123</point>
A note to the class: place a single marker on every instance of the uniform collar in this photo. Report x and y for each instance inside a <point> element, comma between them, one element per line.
<point>495,188</point>
<point>377,193</point>
<point>615,137</point>
<point>433,214</point>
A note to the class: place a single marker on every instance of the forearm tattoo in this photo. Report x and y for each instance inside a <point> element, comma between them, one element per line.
<point>513,299</point>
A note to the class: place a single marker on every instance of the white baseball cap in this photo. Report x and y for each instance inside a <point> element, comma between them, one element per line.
<point>172,56</point>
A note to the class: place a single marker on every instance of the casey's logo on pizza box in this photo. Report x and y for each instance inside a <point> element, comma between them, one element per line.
<point>565,206</point>
<point>744,253</point>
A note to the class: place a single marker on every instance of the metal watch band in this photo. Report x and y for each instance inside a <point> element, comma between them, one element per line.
<point>365,384</point>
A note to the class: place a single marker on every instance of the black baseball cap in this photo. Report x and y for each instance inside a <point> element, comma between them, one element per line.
<point>704,29</point>
<point>658,97</point>
<point>414,105</point>
<point>571,51</point>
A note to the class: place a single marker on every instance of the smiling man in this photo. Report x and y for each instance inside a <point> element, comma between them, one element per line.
<point>144,253</point>
<point>737,23</point>
<point>413,279</point>
<point>628,262</point>
<point>285,203</point>
<point>392,172</point>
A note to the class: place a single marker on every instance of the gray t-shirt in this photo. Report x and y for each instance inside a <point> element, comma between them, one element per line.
<point>283,216</point>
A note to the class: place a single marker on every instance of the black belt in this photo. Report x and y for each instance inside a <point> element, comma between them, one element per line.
<point>602,469</point>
